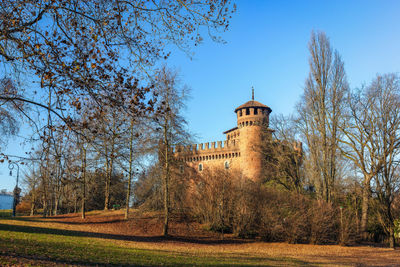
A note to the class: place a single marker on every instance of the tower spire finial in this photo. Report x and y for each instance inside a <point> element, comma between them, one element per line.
<point>252,93</point>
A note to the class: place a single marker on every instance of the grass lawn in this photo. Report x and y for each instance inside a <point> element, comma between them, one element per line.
<point>71,247</point>
<point>5,213</point>
<point>60,241</point>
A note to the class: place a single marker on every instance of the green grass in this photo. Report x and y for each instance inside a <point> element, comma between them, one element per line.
<point>61,247</point>
<point>5,213</point>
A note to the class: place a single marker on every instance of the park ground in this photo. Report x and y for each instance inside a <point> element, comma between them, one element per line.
<point>105,238</point>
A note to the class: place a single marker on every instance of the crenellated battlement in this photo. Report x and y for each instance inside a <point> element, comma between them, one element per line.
<point>208,151</point>
<point>208,147</point>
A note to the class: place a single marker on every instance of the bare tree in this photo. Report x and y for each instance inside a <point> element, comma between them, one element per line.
<point>370,137</point>
<point>284,155</point>
<point>171,125</point>
<point>320,112</point>
<point>372,142</point>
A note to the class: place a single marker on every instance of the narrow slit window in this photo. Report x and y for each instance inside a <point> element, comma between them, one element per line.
<point>226,165</point>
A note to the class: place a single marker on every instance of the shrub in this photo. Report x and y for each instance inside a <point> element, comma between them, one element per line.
<point>24,207</point>
<point>227,202</point>
<point>324,223</point>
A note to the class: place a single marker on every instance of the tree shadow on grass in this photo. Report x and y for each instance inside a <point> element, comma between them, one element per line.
<point>45,261</point>
<point>152,239</point>
<point>54,219</point>
<point>50,256</point>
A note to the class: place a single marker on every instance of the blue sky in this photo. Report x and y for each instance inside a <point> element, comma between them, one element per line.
<point>266,47</point>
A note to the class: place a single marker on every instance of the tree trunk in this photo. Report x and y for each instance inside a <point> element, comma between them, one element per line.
<point>365,207</point>
<point>128,195</point>
<point>58,186</point>
<point>128,191</point>
<point>45,202</point>
<point>107,184</point>
<point>51,209</point>
<point>44,207</point>
<point>83,183</point>
<point>32,208</point>
<point>110,170</point>
<point>392,241</point>
<point>33,202</point>
<point>166,183</point>
<point>76,202</point>
<point>56,200</point>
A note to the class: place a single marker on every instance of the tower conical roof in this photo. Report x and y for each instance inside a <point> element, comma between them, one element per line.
<point>253,104</point>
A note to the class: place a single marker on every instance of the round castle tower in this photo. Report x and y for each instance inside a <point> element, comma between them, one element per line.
<point>252,123</point>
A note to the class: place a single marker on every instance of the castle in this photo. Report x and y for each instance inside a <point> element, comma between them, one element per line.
<point>240,151</point>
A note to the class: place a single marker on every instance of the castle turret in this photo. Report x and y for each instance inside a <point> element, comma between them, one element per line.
<point>242,149</point>
<point>252,123</point>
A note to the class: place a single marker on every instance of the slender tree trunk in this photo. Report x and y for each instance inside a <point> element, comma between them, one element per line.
<point>44,206</point>
<point>166,182</point>
<point>45,196</point>
<point>58,185</point>
<point>110,169</point>
<point>128,191</point>
<point>107,184</point>
<point>76,202</point>
<point>33,200</point>
<point>47,179</point>
<point>83,208</point>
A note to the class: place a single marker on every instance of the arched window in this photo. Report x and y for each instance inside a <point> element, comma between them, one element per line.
<point>200,167</point>
<point>181,169</point>
<point>226,165</point>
